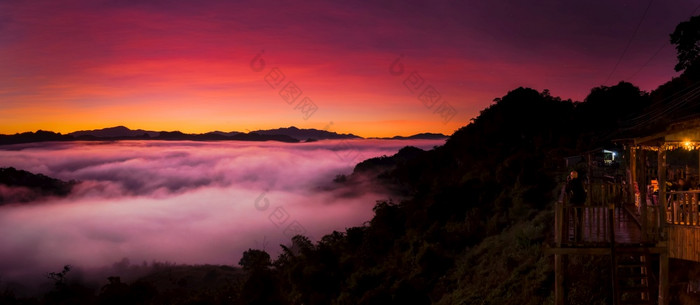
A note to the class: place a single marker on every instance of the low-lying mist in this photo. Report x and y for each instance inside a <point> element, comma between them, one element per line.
<point>182,202</point>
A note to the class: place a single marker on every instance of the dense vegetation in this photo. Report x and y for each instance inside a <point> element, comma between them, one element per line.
<point>477,216</point>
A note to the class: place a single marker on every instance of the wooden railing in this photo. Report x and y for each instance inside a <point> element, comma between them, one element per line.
<point>604,194</point>
<point>595,221</point>
<point>683,208</point>
<point>654,224</point>
<point>585,224</point>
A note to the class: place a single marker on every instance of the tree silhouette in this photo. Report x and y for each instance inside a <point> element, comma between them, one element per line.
<point>67,293</point>
<point>261,286</point>
<point>254,259</point>
<point>59,278</point>
<point>115,292</point>
<point>686,37</point>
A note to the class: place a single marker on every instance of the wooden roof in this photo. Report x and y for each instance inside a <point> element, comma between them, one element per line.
<point>681,134</point>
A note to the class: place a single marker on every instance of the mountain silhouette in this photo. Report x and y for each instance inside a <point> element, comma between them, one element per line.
<point>124,133</point>
<point>418,136</point>
<point>114,132</point>
<point>38,136</point>
<point>305,134</point>
<point>290,134</point>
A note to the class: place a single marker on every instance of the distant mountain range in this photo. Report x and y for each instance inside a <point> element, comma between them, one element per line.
<point>419,136</point>
<point>114,132</point>
<point>305,134</point>
<point>290,135</point>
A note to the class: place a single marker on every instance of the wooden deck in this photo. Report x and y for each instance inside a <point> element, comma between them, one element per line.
<point>627,229</point>
<point>591,227</point>
<point>596,228</point>
<point>617,232</point>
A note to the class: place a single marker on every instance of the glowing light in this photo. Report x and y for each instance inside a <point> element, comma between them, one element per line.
<point>688,145</point>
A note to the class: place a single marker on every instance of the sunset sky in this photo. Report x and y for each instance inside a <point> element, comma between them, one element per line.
<point>192,66</point>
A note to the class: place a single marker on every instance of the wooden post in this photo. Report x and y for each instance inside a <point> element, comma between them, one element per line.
<point>642,183</point>
<point>559,259</point>
<point>589,179</point>
<point>662,193</point>
<point>558,223</point>
<point>694,221</point>
<point>632,173</point>
<point>613,257</point>
<point>559,269</point>
<point>674,208</point>
<point>663,279</point>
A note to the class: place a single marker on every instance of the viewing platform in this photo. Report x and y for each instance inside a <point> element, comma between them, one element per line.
<point>646,214</point>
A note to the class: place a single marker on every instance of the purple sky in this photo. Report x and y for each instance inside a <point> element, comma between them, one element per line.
<point>168,65</point>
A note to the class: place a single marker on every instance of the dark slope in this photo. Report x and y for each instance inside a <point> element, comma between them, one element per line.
<point>477,215</point>
<point>23,186</point>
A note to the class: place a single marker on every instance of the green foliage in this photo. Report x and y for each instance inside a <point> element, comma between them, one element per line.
<point>588,280</point>
<point>508,268</point>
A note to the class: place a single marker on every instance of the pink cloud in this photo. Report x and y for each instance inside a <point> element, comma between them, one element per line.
<point>185,202</point>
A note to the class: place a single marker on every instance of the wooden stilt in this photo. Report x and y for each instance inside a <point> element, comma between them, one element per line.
<point>632,174</point>
<point>663,279</point>
<point>642,184</point>
<point>559,270</point>
<point>662,195</point>
<point>613,257</point>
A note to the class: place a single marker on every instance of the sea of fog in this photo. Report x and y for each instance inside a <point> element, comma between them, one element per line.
<point>181,201</point>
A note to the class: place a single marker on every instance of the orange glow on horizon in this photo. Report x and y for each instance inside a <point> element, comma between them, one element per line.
<point>365,129</point>
<point>193,68</point>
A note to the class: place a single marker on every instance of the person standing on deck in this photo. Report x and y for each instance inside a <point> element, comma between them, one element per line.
<point>577,197</point>
<point>574,188</point>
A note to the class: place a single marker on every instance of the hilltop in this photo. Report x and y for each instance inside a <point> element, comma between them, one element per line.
<point>17,186</point>
<point>304,134</point>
